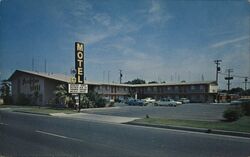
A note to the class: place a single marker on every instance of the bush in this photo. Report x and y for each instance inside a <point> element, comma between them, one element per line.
<point>97,100</point>
<point>245,106</point>
<point>23,100</point>
<point>7,100</point>
<point>232,114</point>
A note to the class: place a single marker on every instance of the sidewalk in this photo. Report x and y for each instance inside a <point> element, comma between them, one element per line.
<point>95,117</point>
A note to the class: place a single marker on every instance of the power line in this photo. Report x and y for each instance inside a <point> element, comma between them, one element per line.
<point>238,76</point>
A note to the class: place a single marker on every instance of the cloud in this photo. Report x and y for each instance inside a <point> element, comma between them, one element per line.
<point>231,41</point>
<point>156,14</point>
<point>155,7</point>
<point>103,19</point>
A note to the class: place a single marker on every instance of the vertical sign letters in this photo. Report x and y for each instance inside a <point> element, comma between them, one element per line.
<point>79,62</point>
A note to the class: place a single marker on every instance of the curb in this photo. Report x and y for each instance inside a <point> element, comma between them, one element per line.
<point>202,130</point>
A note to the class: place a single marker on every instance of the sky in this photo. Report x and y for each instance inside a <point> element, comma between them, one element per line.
<point>152,40</point>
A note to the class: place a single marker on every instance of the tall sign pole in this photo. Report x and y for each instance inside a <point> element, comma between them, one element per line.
<point>79,67</point>
<point>77,86</point>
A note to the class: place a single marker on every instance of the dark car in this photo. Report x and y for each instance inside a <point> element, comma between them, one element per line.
<point>135,102</point>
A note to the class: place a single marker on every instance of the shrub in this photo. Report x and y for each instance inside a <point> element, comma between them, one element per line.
<point>245,106</point>
<point>96,99</point>
<point>232,114</point>
<point>23,100</point>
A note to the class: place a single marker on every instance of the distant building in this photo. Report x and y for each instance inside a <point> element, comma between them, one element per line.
<point>42,85</point>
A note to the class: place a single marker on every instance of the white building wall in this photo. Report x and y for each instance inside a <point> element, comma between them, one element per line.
<point>28,85</point>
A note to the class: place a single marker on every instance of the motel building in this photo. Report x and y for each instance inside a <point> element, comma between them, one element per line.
<point>30,83</point>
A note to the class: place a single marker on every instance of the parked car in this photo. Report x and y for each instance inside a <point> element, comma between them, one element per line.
<point>166,102</point>
<point>135,102</point>
<point>240,101</point>
<point>184,100</point>
<point>148,101</point>
<point>178,102</point>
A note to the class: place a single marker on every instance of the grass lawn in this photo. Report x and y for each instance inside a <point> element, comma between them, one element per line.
<point>38,110</point>
<point>241,125</point>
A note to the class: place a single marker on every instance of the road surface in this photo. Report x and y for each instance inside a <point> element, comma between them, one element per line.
<point>36,135</point>
<point>192,111</point>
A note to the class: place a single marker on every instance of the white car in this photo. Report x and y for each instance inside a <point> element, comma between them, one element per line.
<point>178,102</point>
<point>184,100</point>
<point>166,102</point>
<point>148,100</point>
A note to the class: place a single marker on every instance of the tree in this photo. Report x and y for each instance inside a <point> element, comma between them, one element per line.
<point>136,81</point>
<point>5,91</point>
<point>152,82</point>
<point>246,92</point>
<point>237,90</point>
<point>62,95</point>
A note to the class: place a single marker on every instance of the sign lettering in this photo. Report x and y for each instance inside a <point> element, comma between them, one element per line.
<point>79,62</point>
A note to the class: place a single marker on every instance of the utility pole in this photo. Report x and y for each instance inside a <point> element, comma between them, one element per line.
<point>32,64</point>
<point>45,65</point>
<point>120,76</point>
<point>202,77</point>
<point>108,76</point>
<point>228,78</point>
<point>246,82</point>
<point>217,62</point>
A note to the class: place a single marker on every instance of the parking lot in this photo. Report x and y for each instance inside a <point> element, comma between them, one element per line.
<point>192,111</point>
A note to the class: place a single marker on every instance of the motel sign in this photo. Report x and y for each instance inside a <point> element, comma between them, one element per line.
<point>78,81</point>
<point>79,62</point>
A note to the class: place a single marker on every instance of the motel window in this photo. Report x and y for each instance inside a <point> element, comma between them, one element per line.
<point>155,89</point>
<point>202,87</point>
<point>151,89</point>
<point>176,88</point>
<point>192,87</point>
<point>158,89</point>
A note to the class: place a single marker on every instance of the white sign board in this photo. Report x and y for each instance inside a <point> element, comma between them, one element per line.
<point>77,88</point>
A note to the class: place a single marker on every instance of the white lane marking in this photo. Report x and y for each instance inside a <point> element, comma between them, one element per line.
<point>59,136</point>
<point>4,124</point>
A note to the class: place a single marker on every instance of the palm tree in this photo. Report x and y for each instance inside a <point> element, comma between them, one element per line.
<point>62,95</point>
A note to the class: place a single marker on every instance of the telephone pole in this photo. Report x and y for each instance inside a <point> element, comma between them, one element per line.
<point>120,76</point>
<point>228,78</point>
<point>217,62</point>
<point>32,64</point>
<point>45,65</point>
<point>108,76</point>
<point>246,82</point>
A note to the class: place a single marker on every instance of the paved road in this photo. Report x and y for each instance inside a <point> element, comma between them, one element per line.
<point>194,111</point>
<point>33,135</point>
